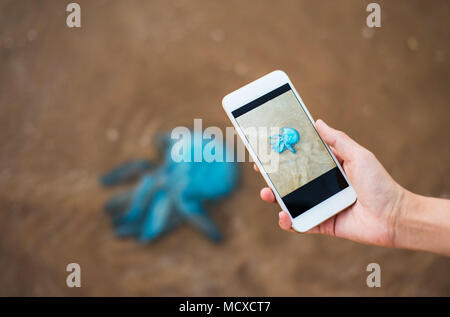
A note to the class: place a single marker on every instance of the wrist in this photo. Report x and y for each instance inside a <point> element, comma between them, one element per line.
<point>408,201</point>
<point>422,224</point>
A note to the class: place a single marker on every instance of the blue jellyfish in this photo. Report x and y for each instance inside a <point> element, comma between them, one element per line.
<point>169,194</point>
<point>285,140</point>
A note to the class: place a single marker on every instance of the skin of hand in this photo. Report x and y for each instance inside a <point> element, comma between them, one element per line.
<point>374,218</point>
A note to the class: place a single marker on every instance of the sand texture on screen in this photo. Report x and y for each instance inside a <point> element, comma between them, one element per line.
<point>294,169</point>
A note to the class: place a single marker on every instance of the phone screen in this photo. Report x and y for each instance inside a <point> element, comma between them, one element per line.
<point>288,146</point>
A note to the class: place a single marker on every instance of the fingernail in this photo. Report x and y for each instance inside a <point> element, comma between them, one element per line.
<point>322,122</point>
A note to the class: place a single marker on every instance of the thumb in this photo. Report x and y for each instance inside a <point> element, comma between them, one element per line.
<point>343,146</point>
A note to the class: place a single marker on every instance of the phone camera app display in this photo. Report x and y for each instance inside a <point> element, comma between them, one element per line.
<point>288,146</point>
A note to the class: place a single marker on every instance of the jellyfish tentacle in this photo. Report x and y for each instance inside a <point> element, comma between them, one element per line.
<point>277,143</point>
<point>158,216</point>
<point>291,148</point>
<point>127,229</point>
<point>125,172</point>
<point>117,205</point>
<point>141,199</point>
<point>195,214</point>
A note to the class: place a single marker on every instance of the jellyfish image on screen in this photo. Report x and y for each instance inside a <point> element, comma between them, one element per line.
<point>286,139</point>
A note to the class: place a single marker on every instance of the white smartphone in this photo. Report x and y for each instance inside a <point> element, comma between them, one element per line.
<point>275,126</point>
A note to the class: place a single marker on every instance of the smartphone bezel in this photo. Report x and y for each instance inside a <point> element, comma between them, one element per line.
<point>320,212</point>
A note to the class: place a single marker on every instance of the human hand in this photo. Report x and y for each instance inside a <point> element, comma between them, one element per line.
<point>372,218</point>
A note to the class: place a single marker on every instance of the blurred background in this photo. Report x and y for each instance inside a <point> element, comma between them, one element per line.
<point>77,102</point>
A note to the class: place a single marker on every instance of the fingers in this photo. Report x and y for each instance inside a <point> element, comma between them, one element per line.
<point>284,221</point>
<point>267,195</point>
<point>343,146</point>
<point>283,218</point>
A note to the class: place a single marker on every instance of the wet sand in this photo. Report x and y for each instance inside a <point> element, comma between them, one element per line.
<point>76,102</point>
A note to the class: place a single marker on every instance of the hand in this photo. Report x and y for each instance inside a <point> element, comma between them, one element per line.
<point>372,218</point>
